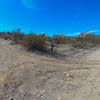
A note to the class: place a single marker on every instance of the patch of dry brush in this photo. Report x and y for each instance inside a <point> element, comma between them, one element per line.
<point>41,42</point>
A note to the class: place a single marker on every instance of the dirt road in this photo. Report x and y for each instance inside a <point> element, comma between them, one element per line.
<point>27,76</point>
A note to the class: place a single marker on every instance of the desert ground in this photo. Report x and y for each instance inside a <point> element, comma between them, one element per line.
<point>29,76</point>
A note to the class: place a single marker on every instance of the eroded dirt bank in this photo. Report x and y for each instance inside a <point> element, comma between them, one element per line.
<point>27,76</point>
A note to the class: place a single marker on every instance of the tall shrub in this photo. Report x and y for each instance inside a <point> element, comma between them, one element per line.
<point>34,42</point>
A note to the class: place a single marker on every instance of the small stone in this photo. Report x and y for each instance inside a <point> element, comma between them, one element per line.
<point>11,99</point>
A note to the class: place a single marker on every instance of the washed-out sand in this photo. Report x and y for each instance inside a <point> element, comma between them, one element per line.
<point>29,76</point>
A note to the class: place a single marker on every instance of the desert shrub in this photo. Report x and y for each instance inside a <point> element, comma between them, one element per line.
<point>57,39</point>
<point>17,36</point>
<point>34,42</point>
<point>43,34</point>
<point>61,39</point>
<point>7,37</point>
<point>85,40</point>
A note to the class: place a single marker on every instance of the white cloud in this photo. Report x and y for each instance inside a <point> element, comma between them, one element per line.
<point>73,34</point>
<point>93,31</point>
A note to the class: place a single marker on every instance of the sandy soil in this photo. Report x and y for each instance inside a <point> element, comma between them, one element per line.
<point>28,76</point>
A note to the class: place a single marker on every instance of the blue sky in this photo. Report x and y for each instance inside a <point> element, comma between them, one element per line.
<point>50,16</point>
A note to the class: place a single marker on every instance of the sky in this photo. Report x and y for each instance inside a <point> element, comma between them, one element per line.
<point>68,17</point>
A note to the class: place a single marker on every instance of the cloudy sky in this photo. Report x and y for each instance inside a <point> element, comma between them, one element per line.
<point>50,16</point>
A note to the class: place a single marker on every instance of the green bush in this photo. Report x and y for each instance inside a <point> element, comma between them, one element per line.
<point>34,42</point>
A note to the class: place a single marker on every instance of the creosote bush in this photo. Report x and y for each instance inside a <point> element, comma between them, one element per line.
<point>34,42</point>
<point>61,39</point>
<point>41,42</point>
<point>7,37</point>
<point>17,36</point>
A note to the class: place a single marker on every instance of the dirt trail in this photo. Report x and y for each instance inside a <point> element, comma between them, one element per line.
<point>27,76</point>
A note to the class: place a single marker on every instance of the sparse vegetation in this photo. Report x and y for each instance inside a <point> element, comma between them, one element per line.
<point>34,42</point>
<point>40,42</point>
<point>61,39</point>
<point>85,40</point>
<point>17,36</point>
<point>7,37</point>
